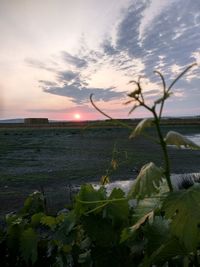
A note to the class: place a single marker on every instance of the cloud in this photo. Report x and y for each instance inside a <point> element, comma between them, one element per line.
<point>73,60</point>
<point>81,95</point>
<point>167,40</point>
<point>47,83</point>
<point>171,37</point>
<point>65,76</point>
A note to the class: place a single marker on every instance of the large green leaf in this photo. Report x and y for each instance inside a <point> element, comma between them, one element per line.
<point>28,245</point>
<point>117,211</point>
<point>165,252</point>
<point>143,212</point>
<point>156,233</point>
<point>65,228</point>
<point>145,206</point>
<point>147,182</point>
<point>183,208</point>
<point>100,230</point>
<point>89,198</point>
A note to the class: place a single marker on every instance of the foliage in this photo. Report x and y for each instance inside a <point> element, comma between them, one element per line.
<point>147,182</point>
<point>152,226</point>
<point>183,209</point>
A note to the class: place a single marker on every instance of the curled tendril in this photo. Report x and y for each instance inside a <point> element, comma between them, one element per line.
<point>162,78</point>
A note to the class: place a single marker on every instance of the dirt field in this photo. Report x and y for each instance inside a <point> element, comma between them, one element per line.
<point>54,159</point>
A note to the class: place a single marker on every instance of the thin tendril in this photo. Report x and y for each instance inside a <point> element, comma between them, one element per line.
<point>106,115</point>
<point>180,75</point>
<point>164,92</point>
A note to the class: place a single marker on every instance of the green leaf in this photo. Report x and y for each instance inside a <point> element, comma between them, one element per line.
<point>65,228</point>
<point>49,221</point>
<point>145,206</point>
<point>167,251</point>
<point>177,139</point>
<point>117,211</point>
<point>14,232</point>
<point>147,182</point>
<point>36,218</point>
<point>100,230</point>
<point>145,123</point>
<point>143,212</point>
<point>89,198</point>
<point>33,204</point>
<point>156,233</point>
<point>28,245</point>
<point>183,208</point>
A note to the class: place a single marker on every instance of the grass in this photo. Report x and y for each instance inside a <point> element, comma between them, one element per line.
<point>54,158</point>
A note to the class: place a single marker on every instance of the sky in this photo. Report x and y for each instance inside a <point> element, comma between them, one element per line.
<point>55,53</point>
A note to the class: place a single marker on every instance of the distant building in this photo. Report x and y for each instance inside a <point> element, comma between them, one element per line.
<point>36,121</point>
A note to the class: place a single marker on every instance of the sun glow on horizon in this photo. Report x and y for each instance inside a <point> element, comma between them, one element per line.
<point>77,116</point>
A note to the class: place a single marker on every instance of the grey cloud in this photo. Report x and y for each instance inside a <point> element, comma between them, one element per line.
<point>73,60</point>
<point>80,95</point>
<point>68,75</point>
<point>108,48</point>
<point>128,30</point>
<point>47,83</point>
<point>170,38</point>
<point>173,34</point>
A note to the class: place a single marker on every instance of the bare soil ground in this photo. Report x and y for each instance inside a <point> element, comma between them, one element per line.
<point>55,159</point>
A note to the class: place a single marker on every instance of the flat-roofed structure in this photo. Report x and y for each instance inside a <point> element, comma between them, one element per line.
<point>36,121</point>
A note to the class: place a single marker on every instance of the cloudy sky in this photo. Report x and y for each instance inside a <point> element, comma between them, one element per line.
<point>55,53</point>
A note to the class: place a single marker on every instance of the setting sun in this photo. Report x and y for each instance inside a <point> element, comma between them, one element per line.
<point>77,116</point>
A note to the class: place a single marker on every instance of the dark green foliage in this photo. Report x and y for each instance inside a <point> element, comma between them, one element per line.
<point>105,230</point>
<point>183,209</point>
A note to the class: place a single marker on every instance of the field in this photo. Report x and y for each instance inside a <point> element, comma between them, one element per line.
<point>55,159</point>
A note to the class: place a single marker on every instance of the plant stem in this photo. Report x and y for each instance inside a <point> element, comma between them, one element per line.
<point>164,149</point>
